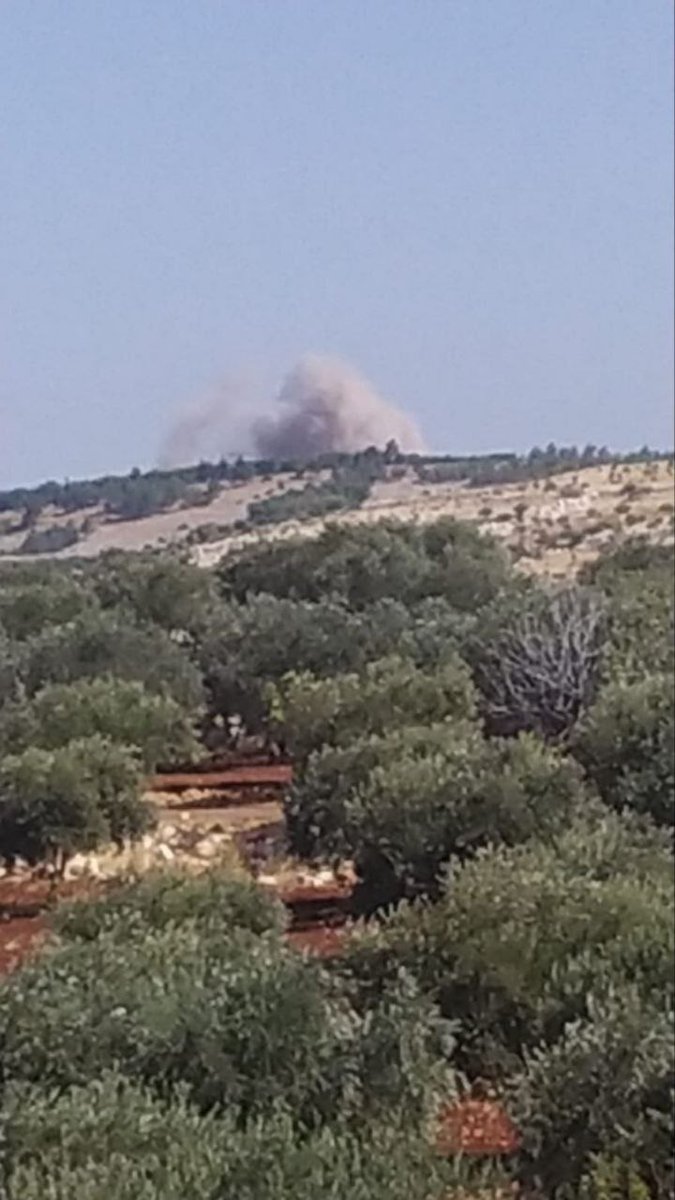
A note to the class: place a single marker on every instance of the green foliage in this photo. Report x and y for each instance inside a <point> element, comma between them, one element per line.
<point>345,490</point>
<point>214,900</point>
<point>239,1019</point>
<point>28,606</point>
<point>627,745</point>
<point>412,814</point>
<point>249,645</point>
<point>639,582</point>
<point>50,540</point>
<point>114,1140</point>
<point>96,643</point>
<point>605,1086</point>
<point>118,709</point>
<point>316,806</point>
<point>160,589</point>
<point>310,712</point>
<point>524,939</point>
<point>366,563</point>
<point>53,803</point>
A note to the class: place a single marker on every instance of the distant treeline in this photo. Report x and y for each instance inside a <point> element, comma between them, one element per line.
<point>142,493</point>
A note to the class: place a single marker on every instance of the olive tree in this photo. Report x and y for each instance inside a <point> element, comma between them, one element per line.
<point>120,710</point>
<point>626,742</point>
<point>309,712</point>
<point>56,802</point>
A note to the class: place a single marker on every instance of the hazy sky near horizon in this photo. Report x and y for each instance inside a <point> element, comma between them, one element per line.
<point>469,200</point>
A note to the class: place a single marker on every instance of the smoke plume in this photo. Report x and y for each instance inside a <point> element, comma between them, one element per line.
<point>323,406</point>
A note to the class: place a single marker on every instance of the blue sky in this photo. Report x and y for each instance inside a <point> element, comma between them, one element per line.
<point>470,200</point>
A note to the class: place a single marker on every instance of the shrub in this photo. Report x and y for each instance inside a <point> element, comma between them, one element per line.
<point>524,938</point>
<point>626,744</point>
<point>605,1087</point>
<point>98,643</point>
<point>50,540</point>
<point>249,645</point>
<point>28,606</point>
<point>316,805</point>
<point>389,693</point>
<point>114,1140</point>
<point>212,900</point>
<point>240,1020</point>
<point>366,563</point>
<point>412,814</point>
<point>121,710</point>
<point>53,803</point>
<point>537,670</point>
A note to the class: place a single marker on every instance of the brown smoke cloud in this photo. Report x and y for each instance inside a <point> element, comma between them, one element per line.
<point>324,405</point>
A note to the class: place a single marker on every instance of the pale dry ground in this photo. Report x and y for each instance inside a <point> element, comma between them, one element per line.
<point>552,526</point>
<point>230,505</point>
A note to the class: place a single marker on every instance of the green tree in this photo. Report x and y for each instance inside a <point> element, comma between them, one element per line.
<point>160,588</point>
<point>366,563</point>
<point>605,1087</point>
<point>627,745</point>
<point>121,710</point>
<point>99,643</point>
<point>54,803</point>
<point>240,1020</point>
<point>214,900</point>
<point>114,1140</point>
<point>411,815</point>
<point>310,712</point>
<point>524,938</point>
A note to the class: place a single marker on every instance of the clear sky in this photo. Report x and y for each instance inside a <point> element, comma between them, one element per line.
<point>471,200</point>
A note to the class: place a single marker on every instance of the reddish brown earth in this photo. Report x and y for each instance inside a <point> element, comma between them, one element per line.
<point>241,776</point>
<point>476,1127</point>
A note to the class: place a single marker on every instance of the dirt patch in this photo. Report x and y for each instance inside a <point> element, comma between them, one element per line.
<point>230,779</point>
<point>479,1127</point>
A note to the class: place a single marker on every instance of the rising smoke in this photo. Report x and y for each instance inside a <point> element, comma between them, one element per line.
<point>323,406</point>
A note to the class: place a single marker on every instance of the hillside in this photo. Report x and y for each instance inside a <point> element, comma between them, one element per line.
<point>552,524</point>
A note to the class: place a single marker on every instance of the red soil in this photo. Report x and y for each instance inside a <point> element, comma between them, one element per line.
<point>19,938</point>
<point>260,775</point>
<point>476,1127</point>
<point>322,941</point>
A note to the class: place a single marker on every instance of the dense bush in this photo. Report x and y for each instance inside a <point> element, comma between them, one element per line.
<point>605,1086</point>
<point>316,805</point>
<point>366,563</point>
<point>118,709</point>
<point>249,645</point>
<point>160,589</point>
<point>412,814</point>
<point>99,643</point>
<point>627,745</point>
<point>343,491</point>
<point>309,712</point>
<point>402,804</point>
<point>50,540</point>
<point>28,606</point>
<point>53,803</point>
<point>114,1140</point>
<point>214,900</point>
<point>239,1019</point>
<point>525,938</point>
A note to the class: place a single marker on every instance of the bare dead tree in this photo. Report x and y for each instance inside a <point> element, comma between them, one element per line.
<point>538,673</point>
